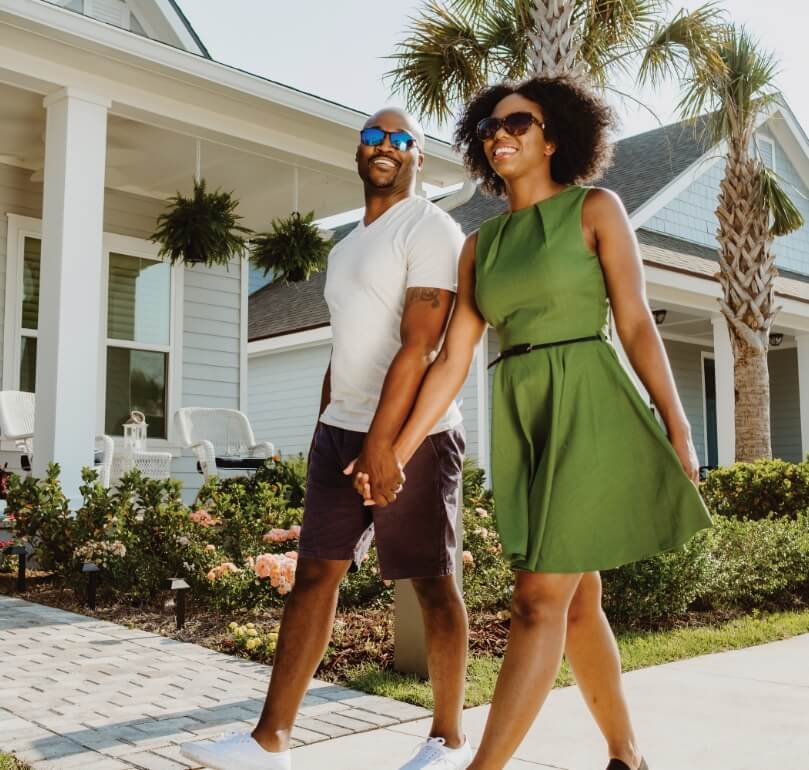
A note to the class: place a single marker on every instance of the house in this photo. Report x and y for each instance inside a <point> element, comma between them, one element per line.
<point>106,109</point>
<point>668,179</point>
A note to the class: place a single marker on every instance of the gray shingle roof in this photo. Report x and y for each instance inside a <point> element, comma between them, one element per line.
<point>644,165</point>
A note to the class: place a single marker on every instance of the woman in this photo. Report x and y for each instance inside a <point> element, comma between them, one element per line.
<point>584,478</point>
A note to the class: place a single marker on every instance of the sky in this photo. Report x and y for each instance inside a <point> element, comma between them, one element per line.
<point>336,49</point>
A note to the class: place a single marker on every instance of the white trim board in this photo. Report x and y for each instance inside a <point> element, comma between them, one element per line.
<point>295,340</point>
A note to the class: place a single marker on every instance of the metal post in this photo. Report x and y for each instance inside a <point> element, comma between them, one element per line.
<point>21,552</point>
<point>180,587</point>
<point>92,571</point>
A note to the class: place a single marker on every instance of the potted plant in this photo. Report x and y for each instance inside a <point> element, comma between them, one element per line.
<point>201,229</point>
<point>292,250</point>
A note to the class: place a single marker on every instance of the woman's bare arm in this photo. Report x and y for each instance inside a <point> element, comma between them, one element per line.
<point>446,374</point>
<point>606,223</point>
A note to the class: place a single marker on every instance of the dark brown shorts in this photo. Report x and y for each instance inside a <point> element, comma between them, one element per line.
<point>415,535</point>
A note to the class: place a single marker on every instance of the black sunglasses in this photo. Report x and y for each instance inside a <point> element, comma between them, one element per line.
<point>516,124</point>
<point>399,140</point>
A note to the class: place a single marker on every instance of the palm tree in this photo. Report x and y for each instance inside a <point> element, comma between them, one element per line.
<point>455,48</point>
<point>753,209</point>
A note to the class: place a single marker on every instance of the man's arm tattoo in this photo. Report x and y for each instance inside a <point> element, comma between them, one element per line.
<point>424,295</point>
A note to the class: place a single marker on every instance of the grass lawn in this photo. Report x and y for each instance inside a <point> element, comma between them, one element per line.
<point>8,762</point>
<point>638,650</point>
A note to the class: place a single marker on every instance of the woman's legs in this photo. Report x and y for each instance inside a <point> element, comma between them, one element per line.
<point>593,655</point>
<point>533,656</point>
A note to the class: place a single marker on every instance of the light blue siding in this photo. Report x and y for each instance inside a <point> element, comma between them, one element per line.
<point>691,216</point>
<point>284,396</point>
<point>785,418</point>
<point>686,366</point>
<point>211,350</point>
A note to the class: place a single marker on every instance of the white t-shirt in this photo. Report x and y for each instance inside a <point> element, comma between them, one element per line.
<point>414,243</point>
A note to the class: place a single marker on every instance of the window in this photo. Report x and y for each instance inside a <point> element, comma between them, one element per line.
<point>138,342</point>
<point>138,368</point>
<point>32,248</point>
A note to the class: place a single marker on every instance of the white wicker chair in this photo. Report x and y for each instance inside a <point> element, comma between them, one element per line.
<point>17,425</point>
<point>221,438</point>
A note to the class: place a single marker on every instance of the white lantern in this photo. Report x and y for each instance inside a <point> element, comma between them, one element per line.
<point>135,432</point>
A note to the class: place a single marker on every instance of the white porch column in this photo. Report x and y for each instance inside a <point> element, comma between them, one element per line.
<point>802,341</point>
<point>725,391</point>
<point>70,288</point>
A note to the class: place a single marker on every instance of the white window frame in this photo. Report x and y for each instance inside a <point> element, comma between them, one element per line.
<point>703,355</point>
<point>771,142</point>
<point>21,227</point>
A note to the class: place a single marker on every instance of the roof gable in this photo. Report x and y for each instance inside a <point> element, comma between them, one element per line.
<point>161,20</point>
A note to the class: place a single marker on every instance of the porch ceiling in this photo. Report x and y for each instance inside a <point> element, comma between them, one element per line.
<point>156,162</point>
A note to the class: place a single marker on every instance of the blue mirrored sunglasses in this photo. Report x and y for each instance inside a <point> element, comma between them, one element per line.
<point>399,140</point>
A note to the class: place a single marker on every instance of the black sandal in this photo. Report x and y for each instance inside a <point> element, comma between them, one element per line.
<point>617,764</point>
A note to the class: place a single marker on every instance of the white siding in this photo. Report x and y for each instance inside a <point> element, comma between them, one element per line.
<point>785,420</point>
<point>211,307</point>
<point>284,396</point>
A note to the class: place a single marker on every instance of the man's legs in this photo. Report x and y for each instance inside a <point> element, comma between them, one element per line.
<point>447,633</point>
<point>305,631</point>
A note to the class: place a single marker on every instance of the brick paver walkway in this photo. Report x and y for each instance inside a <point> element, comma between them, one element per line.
<point>83,693</point>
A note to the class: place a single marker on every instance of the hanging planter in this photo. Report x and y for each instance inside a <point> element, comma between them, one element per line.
<point>201,229</point>
<point>293,249</point>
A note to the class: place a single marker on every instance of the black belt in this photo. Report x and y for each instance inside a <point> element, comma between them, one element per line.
<point>527,347</point>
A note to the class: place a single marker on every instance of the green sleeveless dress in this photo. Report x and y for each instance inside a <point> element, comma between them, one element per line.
<point>584,478</point>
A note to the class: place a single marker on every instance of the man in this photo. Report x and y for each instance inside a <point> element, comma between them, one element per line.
<point>390,288</point>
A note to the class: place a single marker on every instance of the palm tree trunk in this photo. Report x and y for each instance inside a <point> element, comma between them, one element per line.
<point>747,276</point>
<point>751,378</point>
<point>555,45</point>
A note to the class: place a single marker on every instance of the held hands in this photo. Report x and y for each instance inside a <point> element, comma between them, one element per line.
<point>378,474</point>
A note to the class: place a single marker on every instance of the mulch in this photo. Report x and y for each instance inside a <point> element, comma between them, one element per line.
<point>360,634</point>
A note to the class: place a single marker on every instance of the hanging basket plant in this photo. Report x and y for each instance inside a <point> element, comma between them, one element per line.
<point>292,250</point>
<point>202,229</point>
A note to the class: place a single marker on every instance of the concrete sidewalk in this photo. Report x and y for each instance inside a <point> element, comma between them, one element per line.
<point>77,692</point>
<point>743,710</point>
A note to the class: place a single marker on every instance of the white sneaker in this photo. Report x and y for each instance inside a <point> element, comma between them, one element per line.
<point>433,754</point>
<point>235,751</point>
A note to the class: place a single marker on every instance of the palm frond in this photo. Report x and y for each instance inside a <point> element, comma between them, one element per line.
<point>689,39</point>
<point>609,29</point>
<point>784,214</point>
<point>736,94</point>
<point>441,62</point>
<point>504,32</point>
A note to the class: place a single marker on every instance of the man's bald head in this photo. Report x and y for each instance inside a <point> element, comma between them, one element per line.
<point>396,118</point>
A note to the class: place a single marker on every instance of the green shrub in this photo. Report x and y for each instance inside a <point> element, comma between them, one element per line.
<point>246,508</point>
<point>660,588</point>
<point>758,490</point>
<point>758,562</point>
<point>42,517</point>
